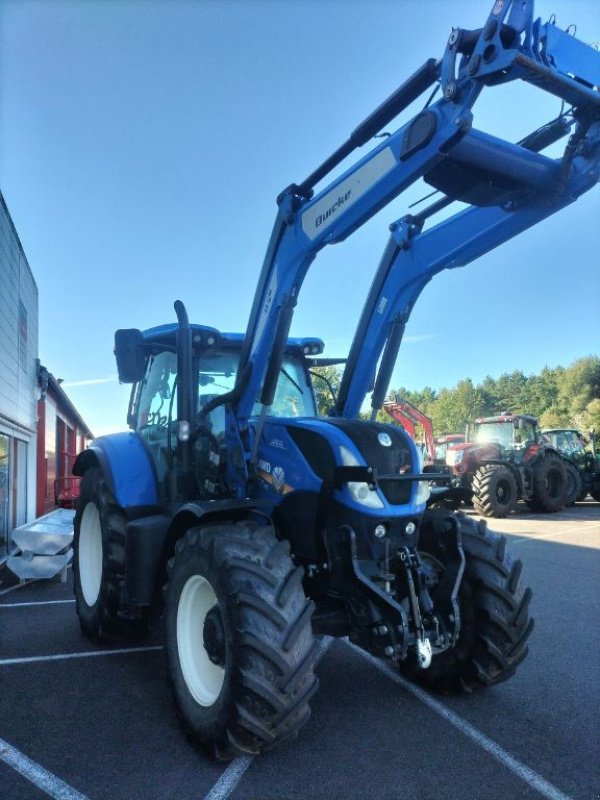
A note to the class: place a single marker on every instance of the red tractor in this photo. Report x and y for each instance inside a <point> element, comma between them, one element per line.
<point>442,443</point>
<point>505,459</point>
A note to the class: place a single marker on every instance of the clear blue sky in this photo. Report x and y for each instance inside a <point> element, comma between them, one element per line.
<point>144,143</point>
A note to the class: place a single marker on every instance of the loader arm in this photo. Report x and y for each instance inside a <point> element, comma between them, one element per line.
<point>509,46</point>
<point>408,415</point>
<point>412,258</point>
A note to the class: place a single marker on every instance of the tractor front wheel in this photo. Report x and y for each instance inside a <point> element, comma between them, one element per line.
<point>494,608</point>
<point>494,491</point>
<point>549,484</point>
<point>574,484</point>
<point>240,646</point>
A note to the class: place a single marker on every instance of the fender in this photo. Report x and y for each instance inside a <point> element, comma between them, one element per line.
<point>150,541</point>
<point>127,467</point>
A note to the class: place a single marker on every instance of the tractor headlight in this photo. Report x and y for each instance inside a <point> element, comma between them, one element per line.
<point>359,490</point>
<point>454,457</point>
<point>424,489</point>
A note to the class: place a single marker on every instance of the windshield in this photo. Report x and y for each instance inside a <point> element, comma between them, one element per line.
<point>495,432</point>
<point>293,396</point>
<point>567,442</point>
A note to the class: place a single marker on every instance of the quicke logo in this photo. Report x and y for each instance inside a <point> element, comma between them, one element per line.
<point>342,198</point>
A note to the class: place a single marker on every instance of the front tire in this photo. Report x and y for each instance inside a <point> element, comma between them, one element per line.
<point>240,646</point>
<point>574,484</point>
<point>549,482</point>
<point>99,563</point>
<point>494,610</point>
<point>494,491</point>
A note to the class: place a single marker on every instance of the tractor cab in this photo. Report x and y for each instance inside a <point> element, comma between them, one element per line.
<point>515,436</point>
<point>149,359</point>
<point>570,444</point>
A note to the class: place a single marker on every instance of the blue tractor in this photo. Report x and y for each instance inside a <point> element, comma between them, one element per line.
<point>256,526</point>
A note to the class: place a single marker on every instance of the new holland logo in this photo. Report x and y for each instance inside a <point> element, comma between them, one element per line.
<point>278,478</point>
<point>385,440</point>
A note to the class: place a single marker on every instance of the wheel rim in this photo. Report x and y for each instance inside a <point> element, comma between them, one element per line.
<point>204,679</point>
<point>90,554</point>
<point>504,493</point>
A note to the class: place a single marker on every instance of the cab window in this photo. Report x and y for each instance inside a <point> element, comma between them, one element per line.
<point>157,409</point>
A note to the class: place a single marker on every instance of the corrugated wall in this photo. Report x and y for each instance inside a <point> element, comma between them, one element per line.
<point>18,330</point>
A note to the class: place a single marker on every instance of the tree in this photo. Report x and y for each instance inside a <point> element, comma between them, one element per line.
<point>326,381</point>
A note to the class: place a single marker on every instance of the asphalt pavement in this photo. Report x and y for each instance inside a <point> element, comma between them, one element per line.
<point>80,721</point>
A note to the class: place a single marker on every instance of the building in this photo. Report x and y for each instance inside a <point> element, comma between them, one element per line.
<point>40,430</point>
<point>18,382</point>
<point>61,434</point>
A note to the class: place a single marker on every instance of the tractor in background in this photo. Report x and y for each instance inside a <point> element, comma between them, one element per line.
<point>583,465</point>
<point>443,443</point>
<point>505,460</point>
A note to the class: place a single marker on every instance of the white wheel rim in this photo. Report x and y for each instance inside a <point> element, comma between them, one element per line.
<point>90,554</point>
<point>203,678</point>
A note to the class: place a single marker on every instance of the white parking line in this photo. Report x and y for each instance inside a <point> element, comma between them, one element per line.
<point>15,587</point>
<point>6,662</point>
<point>230,778</point>
<point>522,771</point>
<point>237,768</point>
<point>37,775</point>
<point>36,603</point>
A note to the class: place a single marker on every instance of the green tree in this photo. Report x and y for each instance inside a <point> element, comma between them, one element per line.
<point>580,385</point>
<point>326,382</point>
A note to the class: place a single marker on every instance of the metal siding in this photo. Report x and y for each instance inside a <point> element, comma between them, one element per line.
<point>17,382</point>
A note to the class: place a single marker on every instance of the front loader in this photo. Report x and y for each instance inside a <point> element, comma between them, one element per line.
<point>257,526</point>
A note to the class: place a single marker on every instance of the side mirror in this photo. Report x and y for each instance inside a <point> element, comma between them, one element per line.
<point>129,352</point>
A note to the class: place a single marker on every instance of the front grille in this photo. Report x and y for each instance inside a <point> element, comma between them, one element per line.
<point>386,460</point>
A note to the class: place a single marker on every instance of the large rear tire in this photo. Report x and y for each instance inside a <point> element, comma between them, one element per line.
<point>494,609</point>
<point>240,646</point>
<point>99,563</point>
<point>494,491</point>
<point>574,484</point>
<point>549,484</point>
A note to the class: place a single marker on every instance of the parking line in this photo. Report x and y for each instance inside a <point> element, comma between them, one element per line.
<point>238,767</point>
<point>230,778</point>
<point>6,662</point>
<point>522,771</point>
<point>37,775</point>
<point>35,603</point>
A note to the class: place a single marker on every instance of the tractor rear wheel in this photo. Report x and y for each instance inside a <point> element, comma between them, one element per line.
<point>494,609</point>
<point>549,483</point>
<point>494,491</point>
<point>574,484</point>
<point>99,563</point>
<point>240,646</point>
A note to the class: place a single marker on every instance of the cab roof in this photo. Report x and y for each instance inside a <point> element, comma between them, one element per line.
<point>507,418</point>
<point>204,336</point>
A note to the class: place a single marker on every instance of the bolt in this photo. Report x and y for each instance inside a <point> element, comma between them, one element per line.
<point>450,91</point>
<point>389,651</point>
<point>382,630</point>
